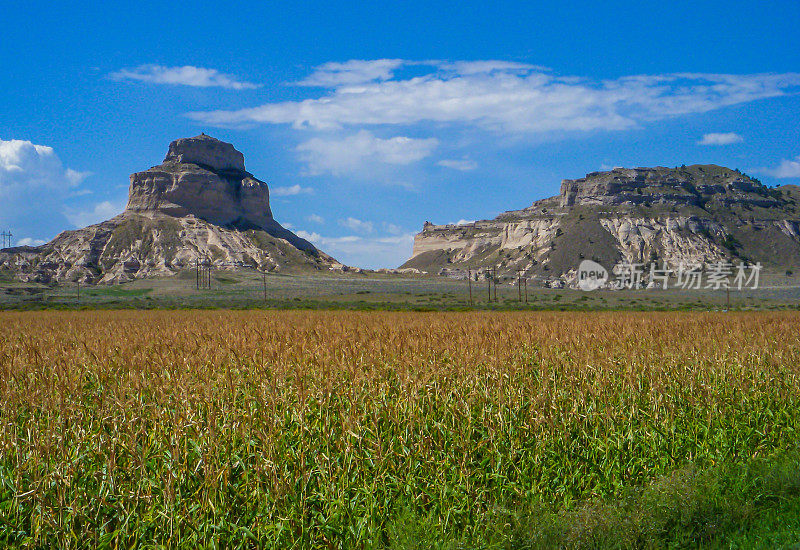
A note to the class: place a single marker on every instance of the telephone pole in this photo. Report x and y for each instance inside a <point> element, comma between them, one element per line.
<point>526,289</point>
<point>469,280</point>
<point>202,271</point>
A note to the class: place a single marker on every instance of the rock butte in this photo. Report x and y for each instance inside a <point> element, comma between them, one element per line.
<point>199,202</point>
<point>205,178</point>
<point>699,213</point>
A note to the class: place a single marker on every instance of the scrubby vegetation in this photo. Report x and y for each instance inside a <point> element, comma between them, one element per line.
<point>370,430</point>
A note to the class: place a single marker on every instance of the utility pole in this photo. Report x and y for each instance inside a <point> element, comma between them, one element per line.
<point>489,283</point>
<point>203,274</point>
<point>79,290</point>
<point>264,279</point>
<point>202,271</point>
<point>494,280</point>
<point>519,284</point>
<point>469,280</point>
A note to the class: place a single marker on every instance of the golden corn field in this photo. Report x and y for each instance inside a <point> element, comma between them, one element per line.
<point>347,429</point>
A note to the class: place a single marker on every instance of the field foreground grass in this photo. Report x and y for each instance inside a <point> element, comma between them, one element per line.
<point>368,430</point>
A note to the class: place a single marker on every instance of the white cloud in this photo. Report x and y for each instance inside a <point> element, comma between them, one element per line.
<point>786,169</point>
<point>99,212</point>
<point>183,76</point>
<point>27,241</point>
<point>315,218</point>
<point>311,237</point>
<point>720,139</point>
<point>489,66</point>
<point>464,222</point>
<point>26,166</point>
<point>359,151</point>
<point>355,71</point>
<point>34,186</point>
<point>393,229</point>
<point>357,225</point>
<point>291,190</point>
<point>367,252</point>
<point>464,165</point>
<point>504,97</point>
<point>76,178</point>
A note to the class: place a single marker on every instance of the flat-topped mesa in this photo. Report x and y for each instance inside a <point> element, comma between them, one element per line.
<point>204,177</point>
<point>673,216</point>
<point>680,186</point>
<point>206,151</point>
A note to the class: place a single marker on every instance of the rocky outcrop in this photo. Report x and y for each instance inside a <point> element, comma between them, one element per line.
<point>205,151</point>
<point>199,203</point>
<point>686,186</point>
<point>674,240</point>
<point>205,178</point>
<point>694,214</point>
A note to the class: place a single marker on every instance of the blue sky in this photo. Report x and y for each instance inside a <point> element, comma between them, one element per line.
<point>368,119</point>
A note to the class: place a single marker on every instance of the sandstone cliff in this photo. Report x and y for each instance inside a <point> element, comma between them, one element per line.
<point>700,213</point>
<point>200,202</point>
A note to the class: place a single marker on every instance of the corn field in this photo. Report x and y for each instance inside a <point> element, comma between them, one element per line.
<point>321,429</point>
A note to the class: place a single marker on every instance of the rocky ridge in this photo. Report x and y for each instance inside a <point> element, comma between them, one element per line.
<point>690,214</point>
<point>200,202</point>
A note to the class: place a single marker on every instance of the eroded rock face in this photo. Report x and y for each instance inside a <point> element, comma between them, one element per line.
<point>204,177</point>
<point>205,151</point>
<point>226,199</point>
<point>200,202</point>
<point>132,246</point>
<point>691,214</point>
<point>680,187</point>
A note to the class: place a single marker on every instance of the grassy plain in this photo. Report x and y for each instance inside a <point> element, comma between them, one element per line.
<point>304,429</point>
<point>376,291</point>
